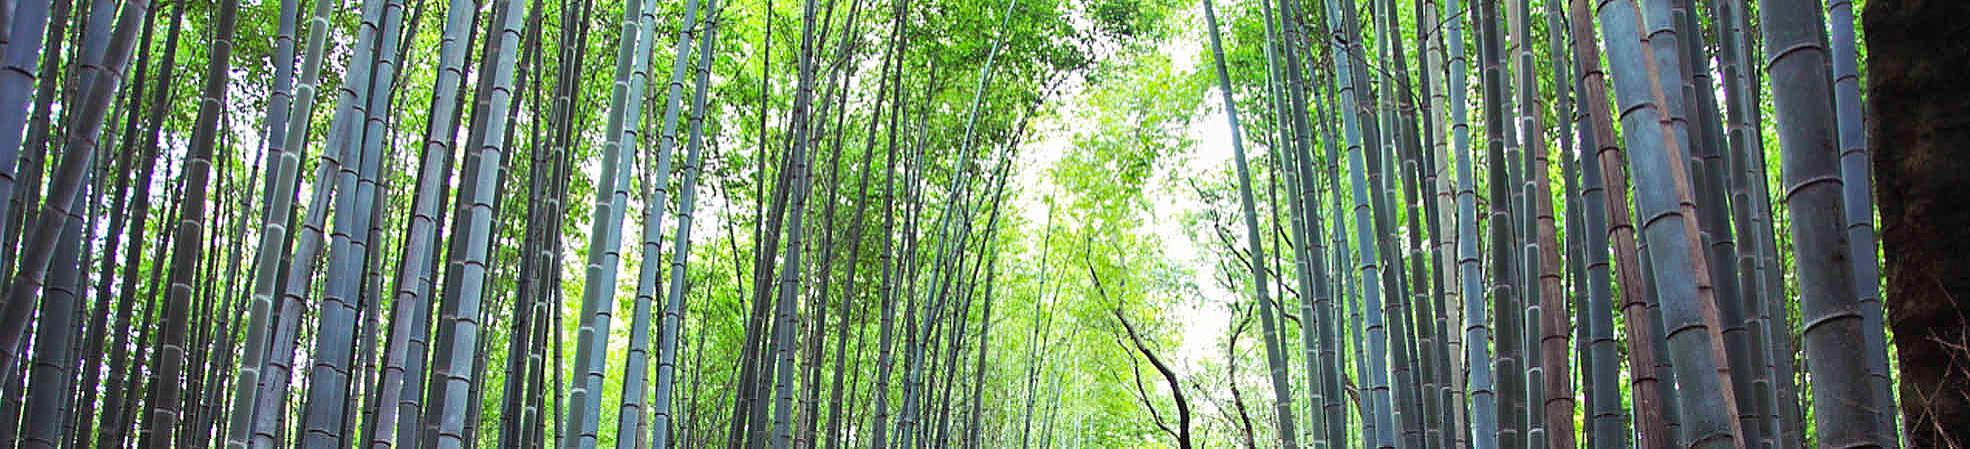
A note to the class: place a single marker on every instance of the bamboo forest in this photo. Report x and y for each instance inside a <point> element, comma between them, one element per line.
<point>983,224</point>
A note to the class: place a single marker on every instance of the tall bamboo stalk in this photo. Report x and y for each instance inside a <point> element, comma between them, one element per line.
<point>101,78</point>
<point>673,320</point>
<point>630,414</point>
<point>1857,198</point>
<point>1843,388</point>
<point>1275,355</point>
<point>605,244</point>
<point>1682,281</point>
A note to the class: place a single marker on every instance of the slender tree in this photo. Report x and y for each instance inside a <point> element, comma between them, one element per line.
<point>1857,199</point>
<point>415,271</point>
<point>1652,427</point>
<point>478,199</point>
<point>54,329</point>
<point>285,145</point>
<point>673,319</point>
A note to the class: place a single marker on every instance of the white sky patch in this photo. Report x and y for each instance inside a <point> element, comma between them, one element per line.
<point>1203,322</point>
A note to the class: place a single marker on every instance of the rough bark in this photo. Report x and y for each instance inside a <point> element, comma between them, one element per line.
<point>1915,51</point>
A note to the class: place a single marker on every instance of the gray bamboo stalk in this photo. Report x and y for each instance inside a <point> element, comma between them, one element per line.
<point>1317,338</point>
<point>1385,165</point>
<point>1505,260</point>
<point>1357,129</point>
<point>286,130</point>
<point>91,372</point>
<point>786,312</point>
<point>1433,200</point>
<point>163,420</point>
<point>325,421</point>
<point>1682,281</point>
<point>1607,428</point>
<point>529,307</point>
<point>988,253</point>
<point>1707,175</point>
<point>477,239</point>
<point>1332,145</point>
<point>1857,198</point>
<point>101,79</point>
<point>833,105</point>
<point>1652,428</point>
<point>1843,388</point>
<point>1483,432</point>
<point>414,271</point>
<point>341,145</point>
<point>885,340</point>
<point>955,191</point>
<point>54,342</point>
<point>834,437</point>
<point>18,57</point>
<point>114,425</point>
<point>1555,401</point>
<point>452,284</point>
<point>1746,207</point>
<point>1324,310</point>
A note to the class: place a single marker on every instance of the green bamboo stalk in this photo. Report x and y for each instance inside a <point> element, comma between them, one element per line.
<point>605,244</point>
<point>630,414</point>
<point>1282,391</point>
<point>673,321</point>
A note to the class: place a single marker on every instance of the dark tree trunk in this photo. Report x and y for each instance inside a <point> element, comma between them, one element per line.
<point>1914,51</point>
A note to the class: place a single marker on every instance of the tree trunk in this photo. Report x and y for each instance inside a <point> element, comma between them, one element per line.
<point>1914,55</point>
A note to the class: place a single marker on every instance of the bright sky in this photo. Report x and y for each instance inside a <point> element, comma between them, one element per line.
<point>1204,322</point>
